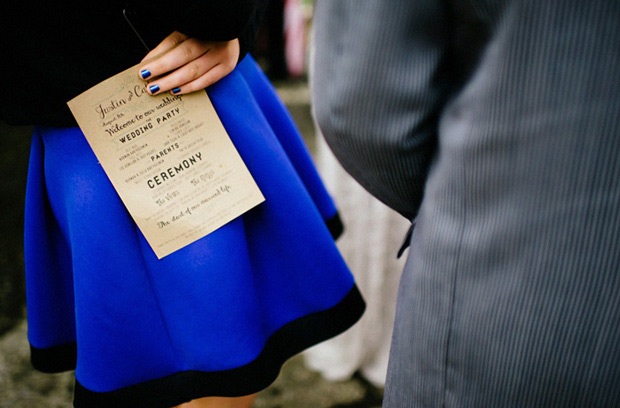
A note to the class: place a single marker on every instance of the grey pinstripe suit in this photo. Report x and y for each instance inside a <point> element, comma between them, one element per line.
<point>496,124</point>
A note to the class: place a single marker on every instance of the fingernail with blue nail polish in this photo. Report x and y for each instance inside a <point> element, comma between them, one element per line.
<point>145,73</point>
<point>154,88</point>
<point>176,90</point>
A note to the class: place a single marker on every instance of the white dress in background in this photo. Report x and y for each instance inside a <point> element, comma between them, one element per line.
<point>372,236</point>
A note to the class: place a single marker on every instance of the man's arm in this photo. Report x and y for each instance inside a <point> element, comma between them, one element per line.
<point>379,84</point>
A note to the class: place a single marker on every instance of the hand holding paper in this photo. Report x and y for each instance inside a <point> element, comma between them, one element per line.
<point>188,64</point>
<point>168,157</point>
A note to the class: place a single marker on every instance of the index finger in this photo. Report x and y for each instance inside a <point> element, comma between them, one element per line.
<point>168,43</point>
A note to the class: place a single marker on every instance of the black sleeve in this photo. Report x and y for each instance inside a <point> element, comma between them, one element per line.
<point>246,39</point>
<point>212,20</point>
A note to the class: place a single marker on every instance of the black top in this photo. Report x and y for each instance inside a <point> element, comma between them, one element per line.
<point>53,51</point>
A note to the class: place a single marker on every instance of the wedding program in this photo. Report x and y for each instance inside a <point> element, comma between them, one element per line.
<point>168,157</point>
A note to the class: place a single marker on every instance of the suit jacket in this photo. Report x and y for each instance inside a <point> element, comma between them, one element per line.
<point>496,125</point>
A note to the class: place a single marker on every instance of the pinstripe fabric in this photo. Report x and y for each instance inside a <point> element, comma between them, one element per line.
<point>398,95</point>
<point>496,124</point>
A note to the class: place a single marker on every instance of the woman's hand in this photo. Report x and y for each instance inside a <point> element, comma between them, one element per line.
<point>188,64</point>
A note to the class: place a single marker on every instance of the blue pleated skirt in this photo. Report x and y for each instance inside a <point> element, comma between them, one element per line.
<point>216,318</point>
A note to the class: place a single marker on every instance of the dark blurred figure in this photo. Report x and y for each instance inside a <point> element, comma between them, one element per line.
<point>495,126</point>
<point>269,46</point>
<point>13,168</point>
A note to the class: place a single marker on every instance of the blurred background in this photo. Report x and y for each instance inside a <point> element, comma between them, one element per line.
<point>282,50</point>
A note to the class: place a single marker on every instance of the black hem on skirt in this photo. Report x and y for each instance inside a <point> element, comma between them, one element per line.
<point>176,389</point>
<point>335,226</point>
<point>54,359</point>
